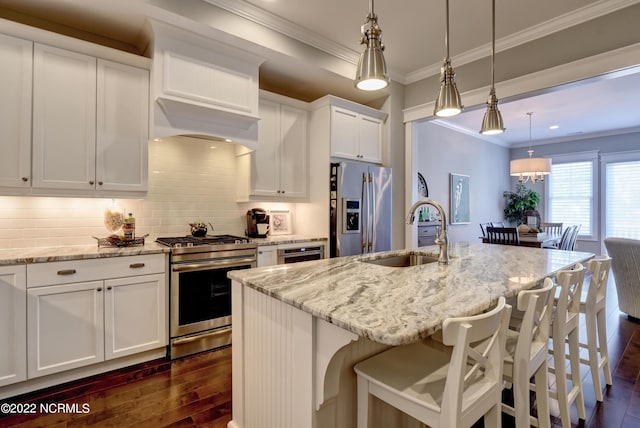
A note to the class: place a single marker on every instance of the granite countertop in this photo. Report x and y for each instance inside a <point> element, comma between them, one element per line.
<point>400,305</point>
<point>13,256</point>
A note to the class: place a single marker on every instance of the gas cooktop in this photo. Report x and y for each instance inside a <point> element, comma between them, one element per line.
<point>194,241</point>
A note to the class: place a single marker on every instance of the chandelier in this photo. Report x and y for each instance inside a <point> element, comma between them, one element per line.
<point>530,169</point>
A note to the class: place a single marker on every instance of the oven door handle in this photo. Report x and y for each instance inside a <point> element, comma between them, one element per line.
<point>215,264</point>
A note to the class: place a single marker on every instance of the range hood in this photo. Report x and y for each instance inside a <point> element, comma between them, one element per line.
<point>203,88</point>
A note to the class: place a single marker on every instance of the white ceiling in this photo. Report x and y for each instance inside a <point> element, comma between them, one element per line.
<point>413,32</point>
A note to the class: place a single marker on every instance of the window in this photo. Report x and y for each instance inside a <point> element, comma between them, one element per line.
<point>622,205</point>
<point>570,192</point>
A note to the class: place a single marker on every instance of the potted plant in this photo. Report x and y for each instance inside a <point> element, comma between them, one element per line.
<point>518,202</point>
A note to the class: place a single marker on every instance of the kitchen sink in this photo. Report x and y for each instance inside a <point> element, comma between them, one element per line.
<point>404,260</point>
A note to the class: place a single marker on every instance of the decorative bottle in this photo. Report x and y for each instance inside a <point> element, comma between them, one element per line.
<point>129,227</point>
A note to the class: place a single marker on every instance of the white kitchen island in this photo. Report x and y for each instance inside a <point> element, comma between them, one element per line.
<point>299,329</point>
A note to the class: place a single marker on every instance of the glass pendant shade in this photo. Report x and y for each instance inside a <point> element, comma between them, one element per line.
<point>448,102</point>
<point>371,74</point>
<point>492,121</point>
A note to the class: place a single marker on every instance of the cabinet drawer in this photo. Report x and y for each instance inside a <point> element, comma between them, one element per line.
<point>66,272</point>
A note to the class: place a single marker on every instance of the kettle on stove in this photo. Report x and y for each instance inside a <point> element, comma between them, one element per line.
<point>257,223</point>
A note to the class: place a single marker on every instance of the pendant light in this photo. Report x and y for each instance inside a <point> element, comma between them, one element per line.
<point>371,74</point>
<point>530,168</point>
<point>492,122</point>
<point>448,102</point>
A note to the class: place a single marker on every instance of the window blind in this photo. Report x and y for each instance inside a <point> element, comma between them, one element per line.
<point>571,195</point>
<point>622,207</point>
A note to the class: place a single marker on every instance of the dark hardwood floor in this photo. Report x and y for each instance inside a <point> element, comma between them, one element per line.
<point>196,391</point>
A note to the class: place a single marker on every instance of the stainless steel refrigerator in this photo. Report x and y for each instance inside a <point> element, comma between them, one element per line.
<point>360,209</point>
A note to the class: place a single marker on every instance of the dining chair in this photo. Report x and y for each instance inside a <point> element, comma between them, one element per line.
<point>553,228</point>
<point>503,235</point>
<point>483,227</point>
<point>451,383</point>
<point>574,237</point>
<point>527,351</point>
<point>566,239</point>
<point>565,329</point>
<point>593,306</point>
<point>497,224</point>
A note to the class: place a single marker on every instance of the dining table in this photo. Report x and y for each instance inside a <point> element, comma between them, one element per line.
<point>535,240</point>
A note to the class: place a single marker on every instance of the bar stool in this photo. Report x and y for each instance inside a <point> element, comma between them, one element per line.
<point>565,327</point>
<point>593,306</point>
<point>527,351</point>
<point>448,384</point>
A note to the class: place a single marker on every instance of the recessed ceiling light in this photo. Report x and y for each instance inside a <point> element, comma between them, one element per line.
<point>554,127</point>
<point>227,140</point>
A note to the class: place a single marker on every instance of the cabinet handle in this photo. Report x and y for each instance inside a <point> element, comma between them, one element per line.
<point>25,179</point>
<point>66,272</point>
<point>136,265</point>
<point>99,289</point>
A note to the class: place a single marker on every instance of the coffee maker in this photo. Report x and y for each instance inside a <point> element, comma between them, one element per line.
<point>257,223</point>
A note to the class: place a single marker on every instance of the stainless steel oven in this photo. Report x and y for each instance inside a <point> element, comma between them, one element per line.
<point>200,292</point>
<point>300,254</point>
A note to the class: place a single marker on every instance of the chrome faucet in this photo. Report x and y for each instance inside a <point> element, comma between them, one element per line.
<point>442,240</point>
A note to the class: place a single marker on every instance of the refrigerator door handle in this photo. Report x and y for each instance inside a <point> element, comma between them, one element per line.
<point>372,213</point>
<point>364,223</point>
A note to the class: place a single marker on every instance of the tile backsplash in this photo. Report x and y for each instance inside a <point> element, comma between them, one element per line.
<point>189,180</point>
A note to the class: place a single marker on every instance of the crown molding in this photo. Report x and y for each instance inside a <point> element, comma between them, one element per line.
<point>288,28</point>
<point>269,20</point>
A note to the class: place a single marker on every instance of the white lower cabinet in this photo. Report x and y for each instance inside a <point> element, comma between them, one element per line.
<point>119,311</point>
<point>13,331</point>
<point>267,255</point>
<point>134,315</point>
<point>64,327</point>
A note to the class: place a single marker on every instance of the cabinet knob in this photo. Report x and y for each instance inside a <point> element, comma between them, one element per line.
<point>99,289</point>
<point>25,179</point>
<point>99,183</point>
<point>109,288</point>
<point>91,182</point>
<point>282,191</point>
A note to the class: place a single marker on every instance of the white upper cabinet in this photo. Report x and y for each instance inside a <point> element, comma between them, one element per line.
<point>122,127</point>
<point>74,116</point>
<point>278,166</point>
<point>355,135</point>
<point>90,122</point>
<point>15,111</point>
<point>64,119</point>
